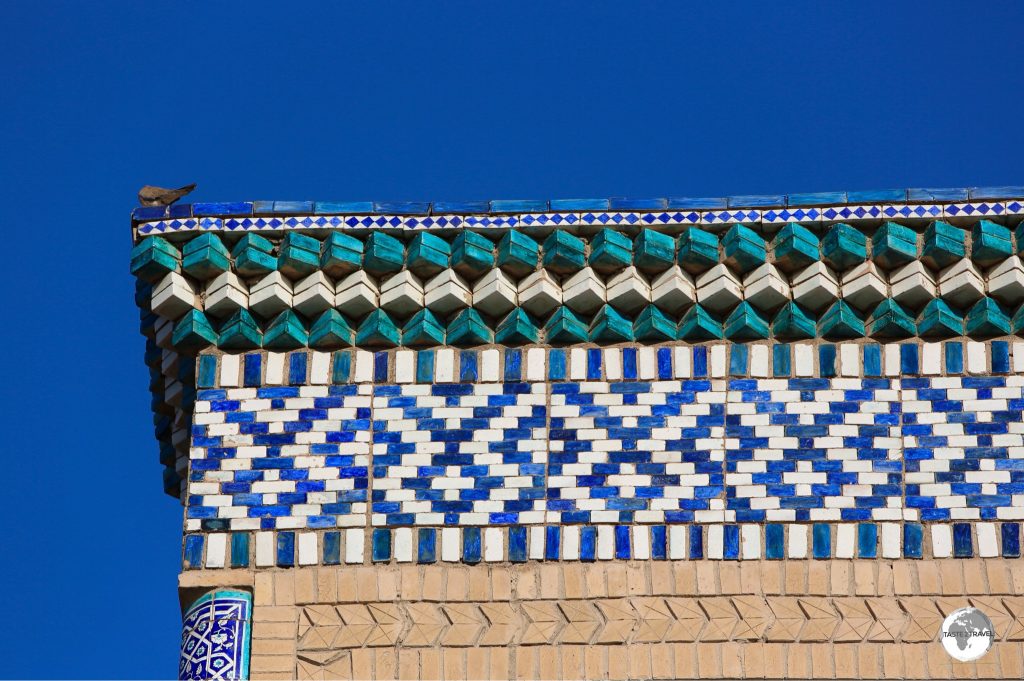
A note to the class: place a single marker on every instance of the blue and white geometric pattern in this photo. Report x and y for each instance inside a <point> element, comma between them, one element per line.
<point>215,637</point>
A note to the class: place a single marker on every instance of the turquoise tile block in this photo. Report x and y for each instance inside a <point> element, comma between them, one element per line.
<point>652,325</point>
<point>341,255</point>
<point>841,321</point>
<point>793,322</point>
<point>205,257</point>
<point>285,332</point>
<point>468,328</point>
<point>698,324</point>
<point>428,254</point>
<point>517,328</point>
<point>193,332</point>
<point>425,366</point>
<point>781,360</point>
<point>872,354</point>
<point>610,252</point>
<point>890,320</point>
<point>944,244</point>
<point>746,323</point>
<point>423,329</point>
<point>738,356</point>
<point>341,368</point>
<point>253,256</point>
<point>844,247</point>
<point>1017,322</point>
<point>987,318</point>
<point>564,253</point>
<point>744,249</point>
<point>472,254</point>
<point>611,327</point>
<point>331,330</point>
<point>698,250</point>
<point>240,332</point>
<point>383,254</point>
<point>893,245</point>
<point>938,319</point>
<point>990,243</point>
<point>378,330</point>
<point>518,254</point>
<point>299,255</point>
<point>207,374</point>
<point>794,248</point>
<point>653,252</point>
<point>564,327</point>
<point>154,258</point>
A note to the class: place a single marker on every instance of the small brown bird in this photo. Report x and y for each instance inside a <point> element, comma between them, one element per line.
<point>160,196</point>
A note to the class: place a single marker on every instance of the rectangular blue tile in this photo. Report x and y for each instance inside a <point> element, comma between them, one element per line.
<point>329,207</point>
<point>588,543</point>
<point>513,365</point>
<point>700,361</point>
<point>1011,540</point>
<point>380,544</point>
<point>193,558</point>
<point>552,542</point>
<point>816,199</point>
<point>659,544</point>
<point>285,549</point>
<point>239,549</point>
<point>519,206</point>
<point>425,366</point>
<point>963,546</point>
<point>594,364</point>
<point>687,203</point>
<point>877,196</point>
<point>297,368</point>
<point>206,377</point>
<point>867,540</point>
<point>954,357</point>
<point>629,364</point>
<point>468,366</point>
<point>380,366</point>
<point>757,201</point>
<point>426,545</point>
<point>913,535</point>
<point>872,359</point>
<point>293,206</point>
<point>696,542</point>
<point>738,360</point>
<point>517,544</point>
<point>781,360</point>
<point>731,542</point>
<point>332,548</point>
<point>821,544</point>
<point>664,363</point>
<point>471,547</point>
<point>1000,357</point>
<point>774,541</point>
<point>622,548</point>
<point>342,368</point>
<point>909,364</point>
<point>627,203</point>
<point>558,205</point>
<point>459,207</point>
<point>922,194</point>
<point>1009,192</point>
<point>214,209</point>
<point>827,360</point>
<point>556,364</point>
<point>401,207</point>
<point>252,372</point>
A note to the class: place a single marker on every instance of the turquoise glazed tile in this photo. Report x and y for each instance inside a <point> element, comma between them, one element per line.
<point>468,328</point>
<point>746,323</point>
<point>611,327</point>
<point>938,319</point>
<point>698,324</point>
<point>990,243</point>
<point>564,253</point>
<point>794,248</point>
<point>893,245</point>
<point>378,330</point>
<point>1017,322</point>
<point>890,320</point>
<point>383,254</point>
<point>193,332</point>
<point>205,257</point>
<point>286,332</point>
<point>841,321</point>
<point>240,332</point>
<point>610,252</point>
<point>743,248</point>
<point>342,254</point>
<point>253,256</point>
<point>698,250</point>
<point>472,254</point>
<point>428,254</point>
<point>793,322</point>
<point>331,330</point>
<point>944,244</point>
<point>423,329</point>
<point>299,255</point>
<point>987,318</point>
<point>844,247</point>
<point>518,254</point>
<point>652,325</point>
<point>516,329</point>
<point>565,327</point>
<point>153,258</point>
<point>653,252</point>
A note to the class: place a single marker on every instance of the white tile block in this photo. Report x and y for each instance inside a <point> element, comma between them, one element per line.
<point>495,293</point>
<point>355,545</point>
<point>628,291</point>
<point>320,368</point>
<point>405,366</point>
<point>682,357</point>
<point>719,361</point>
<point>846,541</point>
<point>444,365</point>
<point>357,294</point>
<point>274,368</point>
<point>803,359</point>
<point>403,544</point>
<point>677,542</point>
<point>535,364</point>
<point>494,544</point>
<point>173,296</point>
<point>891,359</point>
<point>445,293</point>
<point>571,542</point>
<point>988,546</point>
<point>647,363</point>
<point>673,290</point>
<point>641,542</point>
<point>715,547</point>
<point>363,367</point>
<point>264,549</point>
<point>891,540</point>
<point>931,359</point>
<point>539,293</point>
<point>605,542</point>
<point>1018,358</point>
<point>578,364</point>
<point>270,295</point>
<point>451,548</point>
<point>583,292</point>
<point>613,364</point>
<point>750,542</point>
<point>942,541</point>
<point>760,364</point>
<point>308,554</point>
<point>849,359</point>
<point>489,366</point>
<point>229,371</point>
<point>976,360</point>
<point>314,294</point>
<point>216,549</point>
<point>797,544</point>
<point>536,547</point>
<point>226,294</point>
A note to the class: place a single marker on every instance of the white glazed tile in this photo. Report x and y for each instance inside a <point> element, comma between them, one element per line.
<point>494,544</point>
<point>677,542</point>
<point>307,545</point>
<point>750,542</point>
<point>451,549</point>
<point>797,546</point>
<point>216,549</point>
<point>942,541</point>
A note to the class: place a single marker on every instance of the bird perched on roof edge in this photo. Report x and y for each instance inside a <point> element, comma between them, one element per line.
<point>160,196</point>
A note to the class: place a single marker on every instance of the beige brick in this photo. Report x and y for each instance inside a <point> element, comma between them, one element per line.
<point>572,662</point>
<point>432,588</point>
<point>798,661</point>
<point>774,661</point>
<point>998,577</point>
<point>499,664</point>
<point>729,577</point>
<point>867,661</point>
<point>1009,659</point>
<point>885,585</point>
<point>771,577</point>
<point>914,666</point>
<point>305,586</point>
<point>268,676</point>
<point>937,661</point>
<point>636,579</point>
<point>685,657</point>
<point>732,660</point>
<point>618,663</point>
<point>974,577</point>
<point>892,661</point>
<point>477,663</point>
<point>273,646</point>
<point>685,577</point>
<point>273,630</point>
<point>594,662</point>
<point>928,578</point>
<point>282,664</point>
<point>388,584</point>
<point>453,661</point>
<point>275,613</point>
<point>839,578</point>
<point>753,660</point>
<point>362,663</point>
<point>864,578</point>
<point>408,664</point>
<point>951,576</point>
<point>796,577</point>
<point>594,578</point>
<point>264,589</point>
<point>479,585</point>
<point>903,578</point>
<point>411,583</point>
<point>549,665</point>
<point>661,663</point>
<point>526,662</point>
<point>385,663</point>
<point>551,580</point>
<point>707,578</point>
<point>430,665</point>
<point>326,586</point>
<point>845,656</point>
<point>457,584</point>
<point>615,573</point>
<point>817,577</point>
<point>750,577</point>
<point>987,667</point>
<point>1017,577</point>
<point>821,660</point>
<point>709,660</point>
<point>347,589</point>
<point>501,583</point>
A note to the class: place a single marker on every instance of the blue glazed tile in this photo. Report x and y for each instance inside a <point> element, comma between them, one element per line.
<point>685,203</point>
<point>629,364</point>
<point>954,357</point>
<point>877,196</point>
<point>459,207</point>
<point>594,364</point>
<point>821,540</point>
<point>738,360</point>
<point>519,206</point>
<point>401,207</point>
<point>872,360</point>
<point>556,365</point>
<point>956,194</point>
<point>252,373</point>
<point>467,366</point>
<point>552,542</point>
<point>328,207</point>
<point>1000,357</point>
<point>913,533</point>
<point>380,367</point>
<point>180,210</point>
<point>731,542</point>
<point>262,207</point>
<point>627,203</point>
<point>471,549</point>
<point>517,544</point>
<point>622,549</point>
<point>700,362</point>
<point>381,545</point>
<point>761,201</point>
<point>962,544</point>
<point>297,368</point>
<point>774,541</point>
<point>215,209</point>
<point>342,367</point>
<point>909,359</point>
<point>664,363</point>
<point>995,193</point>
<point>425,366</point>
<point>781,360</point>
<point>659,545</point>
<point>207,374</point>
<point>1011,540</point>
<point>816,199</point>
<point>827,360</point>
<point>240,549</point>
<point>513,365</point>
<point>426,545</point>
<point>149,213</point>
<point>194,551</point>
<point>867,540</point>
<point>696,542</point>
<point>588,543</point>
<point>285,549</point>
<point>293,206</point>
<point>578,204</point>
<point>332,548</point>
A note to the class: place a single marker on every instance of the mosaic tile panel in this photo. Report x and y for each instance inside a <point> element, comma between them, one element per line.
<point>215,637</point>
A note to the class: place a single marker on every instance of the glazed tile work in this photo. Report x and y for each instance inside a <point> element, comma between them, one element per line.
<point>215,637</point>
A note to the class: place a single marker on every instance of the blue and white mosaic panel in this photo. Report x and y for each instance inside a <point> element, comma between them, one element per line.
<point>644,452</point>
<point>964,439</point>
<point>215,637</point>
<point>459,454</point>
<point>814,449</point>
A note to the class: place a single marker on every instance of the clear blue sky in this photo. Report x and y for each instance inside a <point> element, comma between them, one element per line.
<point>401,101</point>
